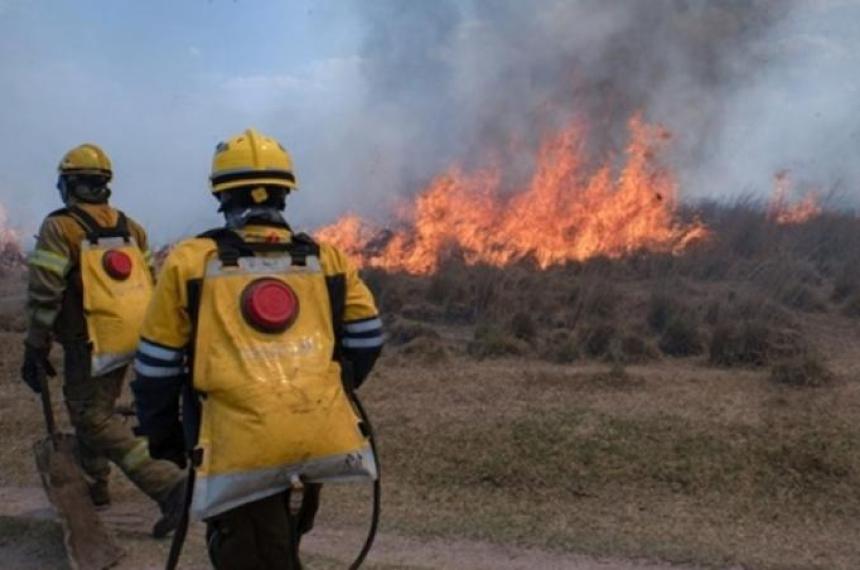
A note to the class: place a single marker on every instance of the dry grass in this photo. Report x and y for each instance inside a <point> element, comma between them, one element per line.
<point>668,460</point>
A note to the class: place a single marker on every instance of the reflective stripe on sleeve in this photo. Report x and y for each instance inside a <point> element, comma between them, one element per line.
<point>364,326</point>
<point>152,371</point>
<point>370,342</point>
<point>49,260</point>
<point>158,352</point>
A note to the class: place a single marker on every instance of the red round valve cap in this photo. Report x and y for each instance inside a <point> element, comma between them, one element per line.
<point>269,305</point>
<point>117,264</point>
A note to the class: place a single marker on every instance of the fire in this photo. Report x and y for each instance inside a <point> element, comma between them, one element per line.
<point>10,243</point>
<point>782,211</point>
<point>566,212</point>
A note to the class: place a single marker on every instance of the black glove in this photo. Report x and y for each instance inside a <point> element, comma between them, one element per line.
<point>169,445</point>
<point>35,364</point>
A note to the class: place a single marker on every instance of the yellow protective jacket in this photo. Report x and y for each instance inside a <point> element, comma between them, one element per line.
<point>272,406</point>
<point>55,301</point>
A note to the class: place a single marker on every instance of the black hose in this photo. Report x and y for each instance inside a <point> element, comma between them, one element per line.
<point>377,486</point>
<point>181,530</point>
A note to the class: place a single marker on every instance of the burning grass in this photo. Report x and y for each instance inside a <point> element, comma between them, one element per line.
<point>741,299</point>
<point>567,211</point>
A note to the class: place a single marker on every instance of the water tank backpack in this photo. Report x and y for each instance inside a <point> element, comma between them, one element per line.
<point>273,406</point>
<point>117,286</point>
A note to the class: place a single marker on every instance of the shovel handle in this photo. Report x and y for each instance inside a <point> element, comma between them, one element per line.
<point>47,409</point>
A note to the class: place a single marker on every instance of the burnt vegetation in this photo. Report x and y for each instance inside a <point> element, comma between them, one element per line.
<point>742,298</point>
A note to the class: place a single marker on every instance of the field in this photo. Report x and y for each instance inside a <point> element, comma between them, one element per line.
<point>701,409</point>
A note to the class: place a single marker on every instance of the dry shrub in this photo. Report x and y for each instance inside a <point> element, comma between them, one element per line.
<point>805,370</point>
<point>491,340</point>
<point>523,327</point>
<point>441,288</point>
<point>713,313</point>
<point>423,312</point>
<point>847,282</point>
<point>662,307</point>
<point>682,336</point>
<point>601,340</point>
<point>426,350</point>
<point>634,348</point>
<point>597,339</point>
<point>602,300</point>
<point>851,309</point>
<point>744,343</point>
<point>561,347</point>
<point>803,298</point>
<point>458,313</point>
<point>392,291</point>
<point>402,332</point>
<point>753,342</point>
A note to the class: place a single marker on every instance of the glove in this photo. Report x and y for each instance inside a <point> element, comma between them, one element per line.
<point>169,445</point>
<point>35,364</point>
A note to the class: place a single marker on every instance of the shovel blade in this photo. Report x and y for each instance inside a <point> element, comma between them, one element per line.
<point>89,545</point>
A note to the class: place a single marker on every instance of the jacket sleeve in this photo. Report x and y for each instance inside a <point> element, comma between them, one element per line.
<point>49,264</point>
<point>161,368</point>
<point>362,335</point>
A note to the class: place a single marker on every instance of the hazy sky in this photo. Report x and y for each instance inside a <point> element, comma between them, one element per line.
<point>374,97</point>
<point>158,83</point>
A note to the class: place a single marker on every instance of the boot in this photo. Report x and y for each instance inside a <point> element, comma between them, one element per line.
<point>99,493</point>
<point>172,509</point>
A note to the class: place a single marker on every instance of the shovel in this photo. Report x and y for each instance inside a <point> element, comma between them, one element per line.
<point>89,546</point>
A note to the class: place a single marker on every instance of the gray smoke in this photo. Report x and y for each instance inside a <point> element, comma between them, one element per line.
<point>446,80</point>
<point>410,87</point>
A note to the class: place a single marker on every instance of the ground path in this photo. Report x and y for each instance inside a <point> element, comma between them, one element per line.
<point>130,522</point>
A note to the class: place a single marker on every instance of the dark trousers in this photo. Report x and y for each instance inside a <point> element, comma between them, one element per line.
<point>263,535</point>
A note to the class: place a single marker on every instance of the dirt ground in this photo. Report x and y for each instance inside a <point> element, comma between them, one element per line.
<point>32,542</point>
<point>516,463</point>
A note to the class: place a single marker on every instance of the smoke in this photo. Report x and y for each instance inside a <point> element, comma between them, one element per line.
<point>740,84</point>
<point>10,245</point>
<point>375,98</point>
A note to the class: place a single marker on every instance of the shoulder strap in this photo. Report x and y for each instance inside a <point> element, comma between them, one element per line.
<point>231,246</point>
<point>92,228</point>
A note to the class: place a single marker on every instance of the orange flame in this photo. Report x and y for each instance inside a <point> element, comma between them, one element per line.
<point>567,212</point>
<point>782,211</point>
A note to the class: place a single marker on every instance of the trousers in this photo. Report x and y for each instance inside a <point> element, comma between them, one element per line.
<point>263,534</point>
<point>103,438</point>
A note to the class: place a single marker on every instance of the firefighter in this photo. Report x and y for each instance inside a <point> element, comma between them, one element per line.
<point>257,334</point>
<point>90,279</point>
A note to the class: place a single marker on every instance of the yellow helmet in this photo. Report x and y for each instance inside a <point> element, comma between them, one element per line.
<point>251,159</point>
<point>86,159</point>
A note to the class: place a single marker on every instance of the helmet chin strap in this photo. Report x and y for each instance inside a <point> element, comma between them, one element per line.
<point>238,218</point>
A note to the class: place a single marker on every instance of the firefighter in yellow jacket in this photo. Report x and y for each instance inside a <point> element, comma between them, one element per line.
<point>258,334</point>
<point>90,280</point>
